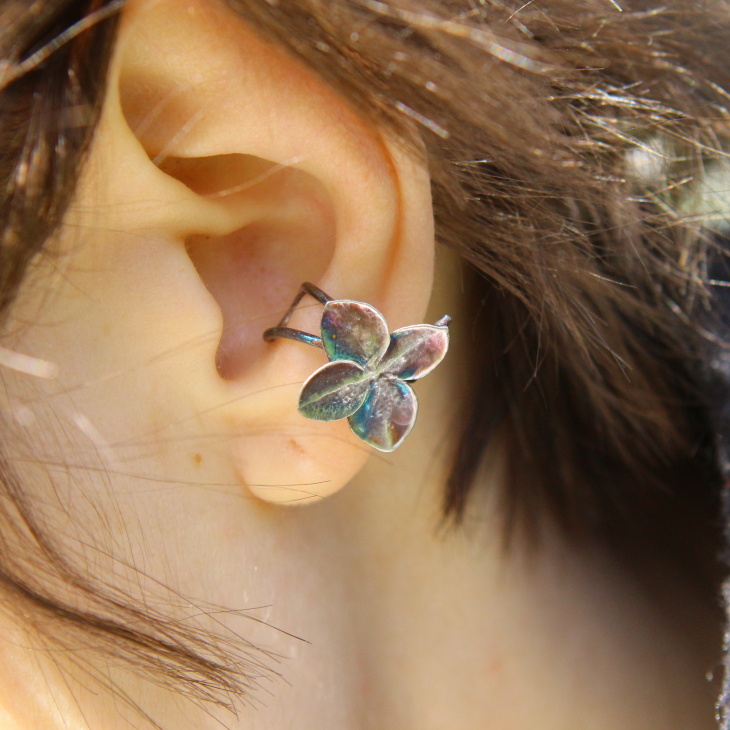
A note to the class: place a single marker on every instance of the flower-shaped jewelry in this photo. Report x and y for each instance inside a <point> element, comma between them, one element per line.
<point>367,377</point>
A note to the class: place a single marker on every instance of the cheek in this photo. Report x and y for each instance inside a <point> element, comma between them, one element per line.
<point>132,331</point>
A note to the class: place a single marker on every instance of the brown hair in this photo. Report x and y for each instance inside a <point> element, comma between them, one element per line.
<point>589,276</point>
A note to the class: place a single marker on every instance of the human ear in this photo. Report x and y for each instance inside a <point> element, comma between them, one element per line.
<point>259,177</point>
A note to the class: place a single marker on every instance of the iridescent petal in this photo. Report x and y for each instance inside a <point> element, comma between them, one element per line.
<point>387,415</point>
<point>353,331</point>
<point>334,391</point>
<point>415,351</point>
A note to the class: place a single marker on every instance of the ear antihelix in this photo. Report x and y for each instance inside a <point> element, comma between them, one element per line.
<point>367,379</point>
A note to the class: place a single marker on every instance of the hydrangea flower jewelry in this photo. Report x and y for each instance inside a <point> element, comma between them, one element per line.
<point>367,377</point>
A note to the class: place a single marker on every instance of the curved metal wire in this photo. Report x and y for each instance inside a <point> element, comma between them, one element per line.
<point>289,333</point>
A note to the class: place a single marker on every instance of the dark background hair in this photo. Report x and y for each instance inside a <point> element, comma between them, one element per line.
<point>589,276</point>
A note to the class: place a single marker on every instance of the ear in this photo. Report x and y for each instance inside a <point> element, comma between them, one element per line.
<point>259,177</point>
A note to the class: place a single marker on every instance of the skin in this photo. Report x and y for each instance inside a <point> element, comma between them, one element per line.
<point>171,431</point>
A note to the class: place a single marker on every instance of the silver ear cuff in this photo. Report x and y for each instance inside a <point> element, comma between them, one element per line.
<point>367,379</point>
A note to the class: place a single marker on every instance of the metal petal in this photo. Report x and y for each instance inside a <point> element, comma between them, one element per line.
<point>353,331</point>
<point>415,351</point>
<point>387,415</point>
<point>334,391</point>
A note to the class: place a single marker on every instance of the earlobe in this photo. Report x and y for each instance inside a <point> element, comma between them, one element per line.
<point>277,182</point>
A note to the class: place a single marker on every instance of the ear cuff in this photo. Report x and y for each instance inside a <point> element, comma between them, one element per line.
<point>367,379</point>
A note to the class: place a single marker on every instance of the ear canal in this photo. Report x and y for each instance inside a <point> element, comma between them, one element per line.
<point>252,271</point>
